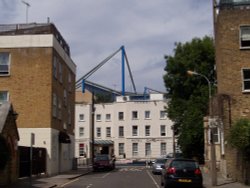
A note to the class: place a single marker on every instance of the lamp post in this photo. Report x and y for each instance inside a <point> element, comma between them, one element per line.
<point>27,7</point>
<point>212,146</point>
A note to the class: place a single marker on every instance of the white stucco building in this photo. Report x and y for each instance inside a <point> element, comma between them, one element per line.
<point>132,127</point>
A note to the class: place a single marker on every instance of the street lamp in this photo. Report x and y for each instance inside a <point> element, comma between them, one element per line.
<point>212,146</point>
<point>27,6</point>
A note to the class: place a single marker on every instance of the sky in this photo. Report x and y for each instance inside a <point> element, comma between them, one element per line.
<point>95,29</point>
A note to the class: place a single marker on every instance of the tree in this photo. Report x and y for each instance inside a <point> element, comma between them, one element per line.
<point>188,95</point>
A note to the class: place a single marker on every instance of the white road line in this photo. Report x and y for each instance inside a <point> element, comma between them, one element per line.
<point>153,179</point>
<point>69,182</point>
<point>90,185</point>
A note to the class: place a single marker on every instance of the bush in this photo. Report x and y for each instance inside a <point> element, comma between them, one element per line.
<point>239,136</point>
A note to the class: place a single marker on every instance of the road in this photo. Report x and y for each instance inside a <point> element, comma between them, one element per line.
<point>121,177</point>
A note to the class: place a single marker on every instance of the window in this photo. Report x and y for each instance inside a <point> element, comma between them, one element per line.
<point>246,79</point>
<point>81,150</point>
<point>81,131</point>
<point>69,82</point>
<point>134,115</point>
<point>147,149</point>
<point>108,131</point>
<point>60,71</point>
<point>81,117</point>
<point>147,114</point>
<point>54,105</point>
<point>98,131</point>
<point>245,36</point>
<point>59,109</point>
<point>216,135</point>
<point>121,148</point>
<point>108,117</point>
<point>163,114</point>
<point>163,130</point>
<point>65,97</point>
<point>4,63</point>
<point>121,131</point>
<point>163,148</point>
<point>134,130</point>
<point>55,67</point>
<point>98,117</point>
<point>69,116</point>
<point>4,96</point>
<point>120,115</point>
<point>134,149</point>
<point>147,130</point>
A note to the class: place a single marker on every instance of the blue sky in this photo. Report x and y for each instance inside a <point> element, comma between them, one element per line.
<point>95,29</point>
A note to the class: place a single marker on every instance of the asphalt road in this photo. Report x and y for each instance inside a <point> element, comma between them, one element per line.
<point>121,177</point>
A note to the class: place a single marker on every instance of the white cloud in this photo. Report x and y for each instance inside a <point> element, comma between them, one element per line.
<point>95,29</point>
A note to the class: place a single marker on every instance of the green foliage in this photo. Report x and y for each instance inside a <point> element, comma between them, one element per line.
<point>188,95</point>
<point>239,136</point>
<point>4,153</point>
<point>103,98</point>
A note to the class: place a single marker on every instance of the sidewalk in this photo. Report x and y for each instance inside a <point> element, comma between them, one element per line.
<point>53,181</point>
<point>221,182</point>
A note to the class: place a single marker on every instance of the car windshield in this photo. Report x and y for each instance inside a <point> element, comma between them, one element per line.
<point>184,164</point>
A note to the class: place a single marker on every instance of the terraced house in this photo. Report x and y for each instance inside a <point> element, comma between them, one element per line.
<point>37,76</point>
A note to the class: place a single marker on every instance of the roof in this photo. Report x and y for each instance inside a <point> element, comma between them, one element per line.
<point>234,2</point>
<point>5,109</point>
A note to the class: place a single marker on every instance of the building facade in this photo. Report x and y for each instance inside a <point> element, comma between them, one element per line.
<point>232,45</point>
<point>130,128</point>
<point>37,75</point>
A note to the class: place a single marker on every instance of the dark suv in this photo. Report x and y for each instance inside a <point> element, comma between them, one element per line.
<point>181,172</point>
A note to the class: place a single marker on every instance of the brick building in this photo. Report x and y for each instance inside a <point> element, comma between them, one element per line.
<point>232,44</point>
<point>37,75</point>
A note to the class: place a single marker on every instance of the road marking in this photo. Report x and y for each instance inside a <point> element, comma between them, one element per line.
<point>104,176</point>
<point>90,185</point>
<point>153,179</point>
<point>69,182</point>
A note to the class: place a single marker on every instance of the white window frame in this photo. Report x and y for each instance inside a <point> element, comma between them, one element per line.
<point>81,150</point>
<point>81,117</point>
<point>121,148</point>
<point>98,132</point>
<point>120,131</point>
<point>120,116</point>
<point>5,97</point>
<point>98,117</point>
<point>147,149</point>
<point>147,130</point>
<point>163,148</point>
<point>163,114</point>
<point>217,136</point>
<point>5,62</point>
<point>244,36</point>
<point>147,114</point>
<point>81,131</point>
<point>163,130</point>
<point>245,80</point>
<point>135,130</point>
<point>108,117</point>
<point>108,132</point>
<point>135,114</point>
<point>134,149</point>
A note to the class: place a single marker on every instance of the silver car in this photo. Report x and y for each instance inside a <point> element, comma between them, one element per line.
<point>157,165</point>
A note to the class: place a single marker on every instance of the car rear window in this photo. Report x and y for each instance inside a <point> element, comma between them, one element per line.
<point>160,160</point>
<point>102,157</point>
<point>184,164</point>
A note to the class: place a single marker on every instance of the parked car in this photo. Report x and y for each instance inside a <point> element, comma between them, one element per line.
<point>104,162</point>
<point>157,165</point>
<point>171,155</point>
<point>180,172</point>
